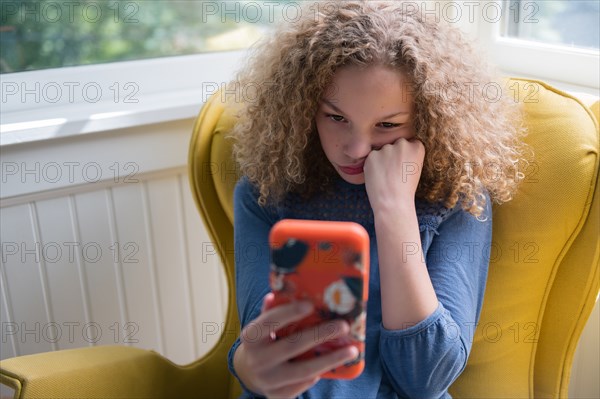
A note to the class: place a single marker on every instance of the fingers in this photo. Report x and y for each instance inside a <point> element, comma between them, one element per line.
<point>260,329</point>
<point>412,140</point>
<point>416,141</point>
<point>297,372</point>
<point>292,391</point>
<point>300,342</point>
<point>268,362</point>
<point>267,301</point>
<point>270,354</point>
<point>322,364</point>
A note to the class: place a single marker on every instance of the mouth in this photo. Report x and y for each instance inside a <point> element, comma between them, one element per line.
<point>352,169</point>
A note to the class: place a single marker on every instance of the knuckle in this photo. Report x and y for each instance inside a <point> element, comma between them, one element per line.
<point>293,343</point>
<point>304,370</point>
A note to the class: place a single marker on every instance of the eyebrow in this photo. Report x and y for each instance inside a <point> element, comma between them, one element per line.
<point>329,103</point>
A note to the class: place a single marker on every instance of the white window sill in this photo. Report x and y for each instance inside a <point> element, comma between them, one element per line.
<point>78,119</point>
<point>585,93</point>
<point>166,89</point>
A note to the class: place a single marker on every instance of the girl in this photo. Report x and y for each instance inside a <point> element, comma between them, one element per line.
<point>370,112</point>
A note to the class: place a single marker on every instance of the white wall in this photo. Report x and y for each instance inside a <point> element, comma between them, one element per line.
<point>586,364</point>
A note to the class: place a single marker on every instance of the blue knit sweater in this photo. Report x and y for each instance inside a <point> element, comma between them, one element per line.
<point>420,361</point>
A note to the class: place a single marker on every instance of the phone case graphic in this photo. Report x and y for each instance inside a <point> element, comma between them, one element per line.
<point>327,263</point>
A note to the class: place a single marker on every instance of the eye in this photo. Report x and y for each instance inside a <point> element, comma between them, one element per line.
<point>335,118</point>
<point>389,125</point>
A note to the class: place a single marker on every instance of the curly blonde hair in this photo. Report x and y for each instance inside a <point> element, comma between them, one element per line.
<point>465,131</point>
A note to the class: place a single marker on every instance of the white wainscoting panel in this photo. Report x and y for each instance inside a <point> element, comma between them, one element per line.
<point>209,307</point>
<point>129,264</point>
<point>123,259</point>
<point>100,280</point>
<point>585,383</point>
<point>66,280</point>
<point>169,250</point>
<point>138,265</point>
<point>24,282</point>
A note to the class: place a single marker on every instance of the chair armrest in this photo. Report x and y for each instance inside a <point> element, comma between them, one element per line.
<point>103,371</point>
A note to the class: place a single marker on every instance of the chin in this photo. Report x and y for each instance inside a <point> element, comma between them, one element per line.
<point>353,179</point>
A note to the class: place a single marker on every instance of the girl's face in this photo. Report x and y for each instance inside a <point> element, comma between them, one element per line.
<point>361,111</point>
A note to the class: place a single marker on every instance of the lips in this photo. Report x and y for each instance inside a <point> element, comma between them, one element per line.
<point>352,169</point>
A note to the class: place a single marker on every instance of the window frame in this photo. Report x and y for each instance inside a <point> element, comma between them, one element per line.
<point>552,63</point>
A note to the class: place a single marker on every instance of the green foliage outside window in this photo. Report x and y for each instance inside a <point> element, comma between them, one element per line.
<point>56,33</point>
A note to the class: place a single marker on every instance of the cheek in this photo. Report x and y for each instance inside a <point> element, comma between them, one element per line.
<point>328,140</point>
<point>333,144</point>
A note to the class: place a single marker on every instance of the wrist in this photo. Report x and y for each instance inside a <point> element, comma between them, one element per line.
<point>402,208</point>
<point>240,371</point>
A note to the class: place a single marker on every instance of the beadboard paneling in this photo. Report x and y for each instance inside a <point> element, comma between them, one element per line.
<point>8,343</point>
<point>172,277</point>
<point>585,383</point>
<point>66,299</point>
<point>120,259</point>
<point>22,271</point>
<point>129,264</point>
<point>209,311</point>
<point>138,268</point>
<point>100,280</point>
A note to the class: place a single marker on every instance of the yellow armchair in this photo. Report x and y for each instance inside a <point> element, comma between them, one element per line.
<point>543,279</point>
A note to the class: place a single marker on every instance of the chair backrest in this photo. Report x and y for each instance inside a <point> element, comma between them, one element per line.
<point>544,267</point>
<point>212,177</point>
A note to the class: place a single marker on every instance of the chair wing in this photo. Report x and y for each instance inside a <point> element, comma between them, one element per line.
<point>543,276</point>
<point>213,175</point>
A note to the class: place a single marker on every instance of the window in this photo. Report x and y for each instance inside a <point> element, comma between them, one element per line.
<point>563,23</point>
<point>551,40</point>
<point>82,66</point>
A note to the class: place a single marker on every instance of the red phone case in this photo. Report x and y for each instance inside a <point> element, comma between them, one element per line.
<point>327,263</point>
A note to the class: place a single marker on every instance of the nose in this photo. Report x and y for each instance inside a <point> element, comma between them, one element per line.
<point>358,146</point>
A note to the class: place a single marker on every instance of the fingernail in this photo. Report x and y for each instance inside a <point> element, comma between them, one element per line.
<point>344,327</point>
<point>353,352</point>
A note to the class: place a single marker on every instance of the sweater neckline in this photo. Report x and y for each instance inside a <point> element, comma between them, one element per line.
<point>340,182</point>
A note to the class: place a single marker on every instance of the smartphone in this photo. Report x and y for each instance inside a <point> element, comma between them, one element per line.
<point>327,263</point>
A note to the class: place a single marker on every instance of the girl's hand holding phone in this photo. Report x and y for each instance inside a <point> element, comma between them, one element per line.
<point>263,364</point>
<point>392,173</point>
<point>319,277</point>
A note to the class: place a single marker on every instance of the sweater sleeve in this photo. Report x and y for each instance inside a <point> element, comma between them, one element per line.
<point>423,360</point>
<point>252,224</point>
